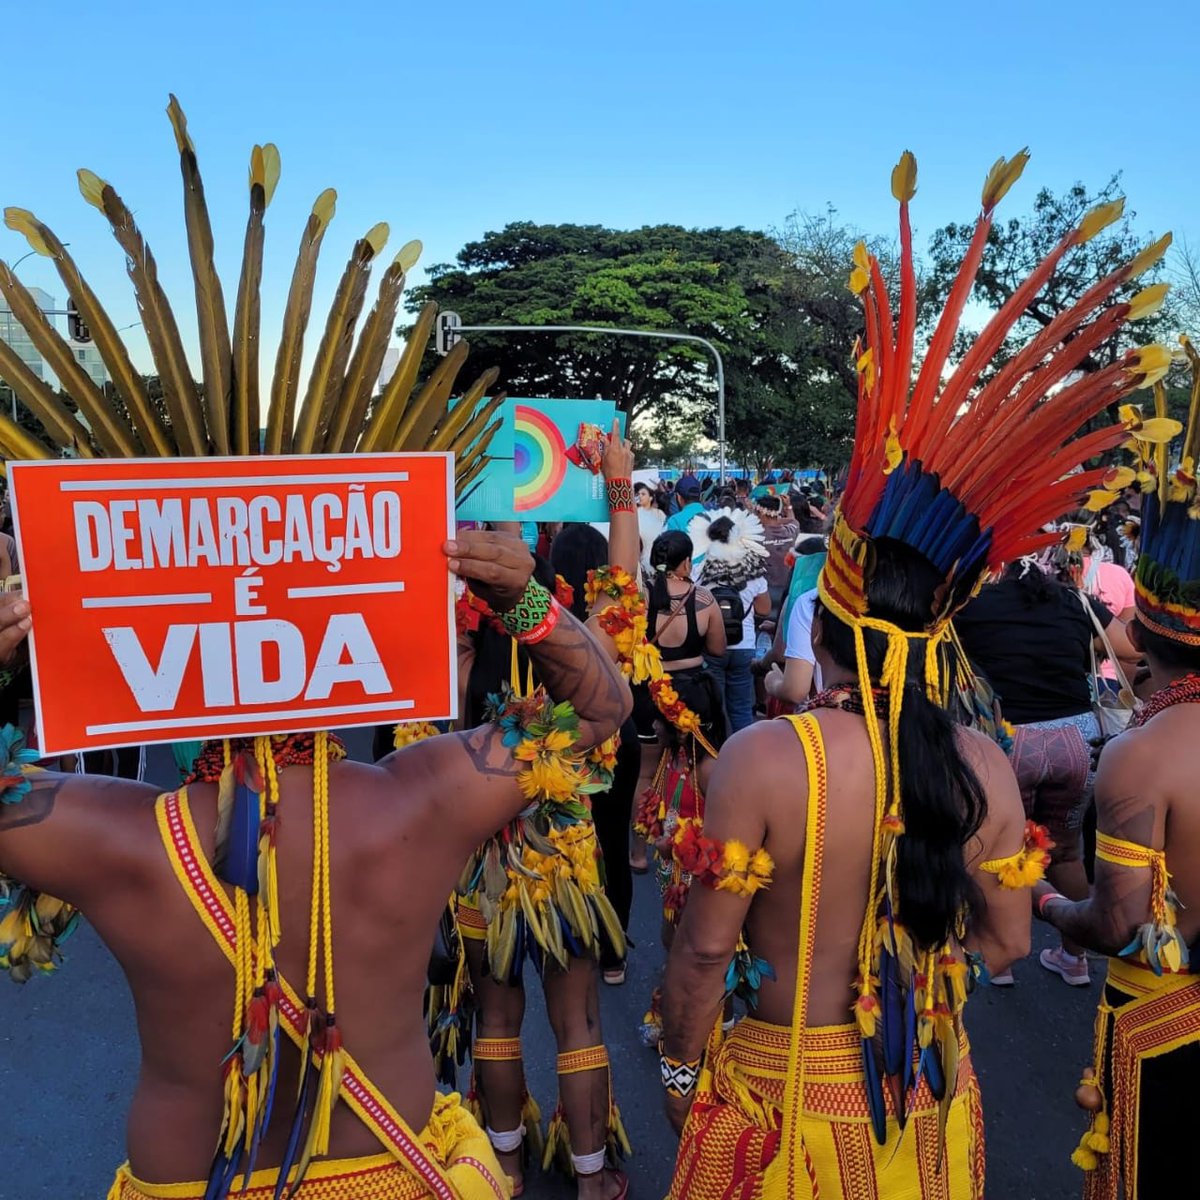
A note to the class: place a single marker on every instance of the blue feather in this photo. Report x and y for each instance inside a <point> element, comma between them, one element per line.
<point>874,1092</point>
<point>297,1130</point>
<point>891,1001</point>
<point>240,865</point>
<point>910,1037</point>
<point>930,1066</point>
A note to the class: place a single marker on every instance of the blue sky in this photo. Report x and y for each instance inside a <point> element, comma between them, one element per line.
<point>448,119</point>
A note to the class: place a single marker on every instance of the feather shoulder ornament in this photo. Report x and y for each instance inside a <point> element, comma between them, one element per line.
<point>745,539</point>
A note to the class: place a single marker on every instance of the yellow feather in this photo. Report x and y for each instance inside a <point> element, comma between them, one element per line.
<point>286,380</point>
<point>212,323</point>
<point>392,404</point>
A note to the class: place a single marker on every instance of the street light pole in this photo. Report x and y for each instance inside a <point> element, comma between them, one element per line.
<point>12,267</point>
<point>452,328</point>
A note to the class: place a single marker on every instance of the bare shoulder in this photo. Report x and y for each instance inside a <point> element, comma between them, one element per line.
<point>1132,780</point>
<point>984,756</point>
<point>765,758</point>
<point>704,598</point>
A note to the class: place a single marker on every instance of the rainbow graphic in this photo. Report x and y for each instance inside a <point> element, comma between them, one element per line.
<point>539,458</point>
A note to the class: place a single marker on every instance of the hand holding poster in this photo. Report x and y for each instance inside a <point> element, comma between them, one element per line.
<point>535,473</point>
<point>179,598</point>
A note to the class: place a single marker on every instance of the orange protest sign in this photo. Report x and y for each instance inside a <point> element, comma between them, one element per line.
<point>194,598</point>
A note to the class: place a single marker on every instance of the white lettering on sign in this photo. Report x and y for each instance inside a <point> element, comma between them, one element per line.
<point>234,662</point>
<point>228,531</point>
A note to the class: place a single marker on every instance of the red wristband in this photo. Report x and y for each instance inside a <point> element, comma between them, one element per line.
<point>1042,901</point>
<point>620,495</point>
<point>543,628</point>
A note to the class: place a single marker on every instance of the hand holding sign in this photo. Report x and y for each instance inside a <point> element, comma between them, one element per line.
<point>496,565</point>
<point>617,462</point>
<point>15,623</point>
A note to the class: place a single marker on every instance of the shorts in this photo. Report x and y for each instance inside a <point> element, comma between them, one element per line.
<point>1055,770</point>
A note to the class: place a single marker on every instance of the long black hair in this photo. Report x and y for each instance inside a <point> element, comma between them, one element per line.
<point>576,550</point>
<point>942,798</point>
<point>669,550</point>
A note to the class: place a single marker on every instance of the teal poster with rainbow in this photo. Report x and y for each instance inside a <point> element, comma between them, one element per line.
<point>532,476</point>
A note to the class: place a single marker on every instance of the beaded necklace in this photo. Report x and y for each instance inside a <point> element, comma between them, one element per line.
<point>287,749</point>
<point>1178,691</point>
<point>849,698</point>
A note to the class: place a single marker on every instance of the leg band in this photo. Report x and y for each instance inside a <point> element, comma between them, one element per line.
<point>588,1164</point>
<point>507,1142</point>
<point>496,1049</point>
<point>591,1058</point>
<point>470,922</point>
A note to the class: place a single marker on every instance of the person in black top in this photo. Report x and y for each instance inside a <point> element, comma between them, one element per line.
<point>1031,636</point>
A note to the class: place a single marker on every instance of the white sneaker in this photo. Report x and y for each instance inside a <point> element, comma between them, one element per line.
<point>1005,979</point>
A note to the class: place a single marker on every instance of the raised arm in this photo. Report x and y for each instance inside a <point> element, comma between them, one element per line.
<point>71,835</point>
<point>624,537</point>
<point>476,768</point>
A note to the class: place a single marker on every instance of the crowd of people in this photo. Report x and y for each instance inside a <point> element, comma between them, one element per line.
<point>858,728</point>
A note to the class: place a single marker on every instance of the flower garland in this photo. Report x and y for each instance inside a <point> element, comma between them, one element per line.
<point>409,732</point>
<point>538,882</point>
<point>33,925</point>
<point>1028,866</point>
<point>641,661</point>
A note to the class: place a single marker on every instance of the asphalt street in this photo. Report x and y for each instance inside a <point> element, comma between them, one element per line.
<point>69,1061</point>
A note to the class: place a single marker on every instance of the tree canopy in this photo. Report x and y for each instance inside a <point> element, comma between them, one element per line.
<point>784,345</point>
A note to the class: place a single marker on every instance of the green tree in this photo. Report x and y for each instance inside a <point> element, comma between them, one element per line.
<point>776,307</point>
<point>661,277</point>
<point>1016,246</point>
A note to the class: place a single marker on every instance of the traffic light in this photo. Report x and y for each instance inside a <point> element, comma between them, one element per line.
<point>75,324</point>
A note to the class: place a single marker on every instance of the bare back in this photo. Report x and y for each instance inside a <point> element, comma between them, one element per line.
<point>759,794</point>
<point>395,861</point>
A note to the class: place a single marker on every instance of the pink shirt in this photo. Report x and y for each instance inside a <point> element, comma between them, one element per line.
<point>1112,586</point>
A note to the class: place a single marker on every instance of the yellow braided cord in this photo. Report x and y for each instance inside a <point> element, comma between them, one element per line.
<point>321,802</point>
<point>314,908</point>
<point>274,914</point>
<point>867,934</point>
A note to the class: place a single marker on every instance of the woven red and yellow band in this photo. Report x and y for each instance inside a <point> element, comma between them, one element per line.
<point>496,1049</point>
<point>471,922</point>
<point>620,495</point>
<point>1167,631</point>
<point>575,1062</point>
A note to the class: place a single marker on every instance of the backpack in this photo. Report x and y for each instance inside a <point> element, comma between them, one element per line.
<point>733,611</point>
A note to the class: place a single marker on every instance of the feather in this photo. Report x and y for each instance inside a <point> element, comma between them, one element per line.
<point>239,866</point>
<point>247,319</point>
<point>366,362</point>
<point>392,404</point>
<point>225,790</point>
<point>874,1087</point>
<point>39,398</point>
<point>158,321</point>
<point>327,377</point>
<point>286,381</point>
<point>18,442</point>
<point>212,323</point>
<point>299,1121</point>
<point>128,383</point>
<point>428,407</point>
<point>111,436</point>
<point>461,428</point>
